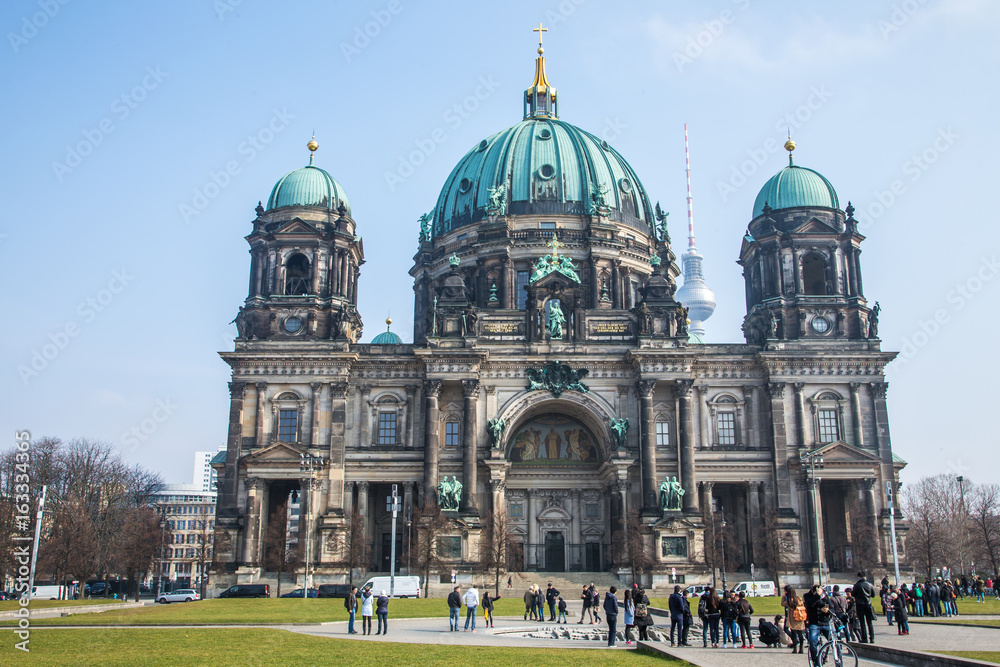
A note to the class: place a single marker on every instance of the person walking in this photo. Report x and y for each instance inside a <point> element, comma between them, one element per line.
<point>901,614</point>
<point>366,611</point>
<point>628,615</point>
<point>676,606</point>
<point>351,604</point>
<point>918,603</point>
<point>529,603</point>
<point>611,614</point>
<point>642,617</point>
<point>510,582</point>
<point>795,618</point>
<point>743,618</point>
<point>595,603</point>
<point>853,627</point>
<point>487,605</point>
<point>730,612</point>
<point>551,595</point>
<point>454,609</point>
<point>838,606</point>
<point>382,611</point>
<point>713,613</point>
<point>863,592</point>
<point>586,606</point>
<point>562,618</point>
<point>471,605</point>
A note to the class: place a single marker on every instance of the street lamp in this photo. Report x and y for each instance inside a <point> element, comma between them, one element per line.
<point>722,536</point>
<point>163,531</point>
<point>810,462</point>
<point>892,527</point>
<point>961,550</point>
<point>310,465</point>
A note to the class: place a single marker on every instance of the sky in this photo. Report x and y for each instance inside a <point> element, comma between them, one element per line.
<point>139,137</point>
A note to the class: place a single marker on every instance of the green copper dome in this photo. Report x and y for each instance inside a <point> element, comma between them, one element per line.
<point>545,166</point>
<point>796,186</point>
<point>387,338</point>
<point>308,186</point>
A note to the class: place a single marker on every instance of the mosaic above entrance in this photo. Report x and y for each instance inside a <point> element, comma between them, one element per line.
<point>554,440</point>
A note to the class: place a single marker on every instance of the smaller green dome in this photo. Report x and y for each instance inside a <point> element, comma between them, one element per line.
<point>695,339</point>
<point>796,186</point>
<point>387,338</point>
<point>308,186</point>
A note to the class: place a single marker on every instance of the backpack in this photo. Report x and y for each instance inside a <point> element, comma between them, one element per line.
<point>799,613</point>
<point>702,607</point>
<point>640,610</point>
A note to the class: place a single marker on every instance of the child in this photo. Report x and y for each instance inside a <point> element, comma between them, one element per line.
<point>562,618</point>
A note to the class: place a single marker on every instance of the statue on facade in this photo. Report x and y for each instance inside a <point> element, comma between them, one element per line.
<point>661,223</point>
<point>873,321</point>
<point>498,200</point>
<point>469,319</point>
<point>644,316</point>
<point>772,325</point>
<point>496,427</point>
<point>556,320</point>
<point>671,494</point>
<point>426,227</point>
<point>449,493</point>
<point>619,428</point>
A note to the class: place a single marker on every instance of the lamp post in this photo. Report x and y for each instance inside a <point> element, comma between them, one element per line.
<point>310,465</point>
<point>892,527</point>
<point>722,536</point>
<point>961,550</point>
<point>392,505</point>
<point>163,532</point>
<point>811,461</point>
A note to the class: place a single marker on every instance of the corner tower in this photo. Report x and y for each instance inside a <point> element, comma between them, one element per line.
<point>801,263</point>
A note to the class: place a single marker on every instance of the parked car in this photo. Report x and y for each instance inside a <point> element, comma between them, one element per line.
<point>755,589</point>
<point>247,591</point>
<point>699,589</point>
<point>334,590</point>
<point>297,593</point>
<point>180,595</point>
<point>48,593</point>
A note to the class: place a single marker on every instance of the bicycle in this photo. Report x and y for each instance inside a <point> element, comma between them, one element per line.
<point>834,651</point>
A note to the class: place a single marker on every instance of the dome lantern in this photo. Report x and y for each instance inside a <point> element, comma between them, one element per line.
<point>540,100</point>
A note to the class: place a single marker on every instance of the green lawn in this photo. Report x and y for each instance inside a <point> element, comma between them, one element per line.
<point>11,605</point>
<point>763,606</point>
<point>252,611</point>
<point>141,648</point>
<point>985,656</point>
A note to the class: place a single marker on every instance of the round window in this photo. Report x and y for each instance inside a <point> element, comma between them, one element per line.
<point>625,185</point>
<point>292,324</point>
<point>604,145</point>
<point>820,324</point>
<point>464,185</point>
<point>546,171</point>
<point>545,133</point>
<point>482,145</point>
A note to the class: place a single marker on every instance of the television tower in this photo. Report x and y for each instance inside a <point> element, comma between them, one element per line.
<point>695,295</point>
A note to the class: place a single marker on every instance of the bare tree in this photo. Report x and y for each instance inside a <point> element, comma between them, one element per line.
<point>277,557</point>
<point>430,524</point>
<point>930,509</point>
<point>495,541</point>
<point>864,538</point>
<point>779,548</point>
<point>632,552</point>
<point>984,508</point>
<point>137,544</point>
<point>722,548</point>
<point>203,551</point>
<point>357,549</point>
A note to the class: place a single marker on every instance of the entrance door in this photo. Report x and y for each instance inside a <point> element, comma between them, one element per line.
<point>592,556</point>
<point>555,552</point>
<point>387,552</point>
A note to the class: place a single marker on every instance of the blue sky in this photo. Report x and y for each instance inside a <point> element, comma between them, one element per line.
<point>139,137</point>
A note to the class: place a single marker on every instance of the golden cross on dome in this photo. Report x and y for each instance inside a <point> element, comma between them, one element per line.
<point>539,30</point>
<point>555,245</point>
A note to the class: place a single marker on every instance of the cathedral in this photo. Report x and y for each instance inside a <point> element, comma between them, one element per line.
<point>558,377</point>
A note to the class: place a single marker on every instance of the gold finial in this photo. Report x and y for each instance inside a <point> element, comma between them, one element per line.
<point>789,146</point>
<point>540,30</point>
<point>312,146</point>
<point>388,323</point>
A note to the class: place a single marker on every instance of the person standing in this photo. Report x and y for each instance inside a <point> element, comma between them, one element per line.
<point>551,595</point>
<point>863,592</point>
<point>454,609</point>
<point>744,617</point>
<point>487,609</point>
<point>611,613</point>
<point>586,606</point>
<point>595,603</point>
<point>510,582</point>
<point>562,618</point>
<point>676,606</point>
<point>382,611</point>
<point>642,618</point>
<point>838,605</point>
<point>901,614</point>
<point>795,618</point>
<point>628,614</point>
<point>366,611</point>
<point>730,612</point>
<point>351,604</point>
<point>529,603</point>
<point>818,619</point>
<point>713,614</point>
<point>471,605</point>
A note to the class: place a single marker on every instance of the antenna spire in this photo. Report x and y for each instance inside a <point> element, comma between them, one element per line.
<point>695,294</point>
<point>690,200</point>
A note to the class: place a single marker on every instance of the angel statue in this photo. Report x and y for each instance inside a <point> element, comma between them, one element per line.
<point>426,225</point>
<point>661,223</point>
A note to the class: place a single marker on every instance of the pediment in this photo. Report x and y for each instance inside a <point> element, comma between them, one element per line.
<point>277,452</point>
<point>295,226</point>
<point>815,226</point>
<point>841,452</point>
<point>555,280</point>
<point>554,514</point>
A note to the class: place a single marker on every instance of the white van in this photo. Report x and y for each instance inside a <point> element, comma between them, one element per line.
<point>48,592</point>
<point>755,589</point>
<point>404,587</point>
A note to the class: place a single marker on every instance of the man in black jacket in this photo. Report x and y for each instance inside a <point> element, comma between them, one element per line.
<point>676,604</point>
<point>551,595</point>
<point>611,613</point>
<point>455,609</point>
<point>863,592</point>
<point>818,618</point>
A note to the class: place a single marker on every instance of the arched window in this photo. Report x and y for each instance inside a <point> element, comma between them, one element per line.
<point>827,412</point>
<point>662,433</point>
<point>814,274</point>
<point>297,274</point>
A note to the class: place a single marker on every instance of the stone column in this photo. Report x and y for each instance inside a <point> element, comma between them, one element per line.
<point>595,286</point>
<point>343,285</point>
<point>499,499</point>
<point>688,481</point>
<point>317,263</point>
<point>705,426</point>
<point>364,414</point>
<point>354,286</point>
<point>756,529</point>
<point>776,391</point>
<point>363,487</point>
<point>857,271</point>
<point>645,391</point>
<point>575,505</point>
<point>407,502</point>
<point>348,500</point>
<point>616,287</point>
<point>259,434</point>
<point>505,290</point>
<point>706,499</point>
<point>816,525</point>
<point>532,538</point>
<point>237,390</point>
<point>470,453</point>
<point>314,418</point>
<point>410,391</point>
<point>753,423</point>
<point>432,389</point>
<point>800,415</point>
<point>866,487</point>
<point>338,444</point>
<point>882,441</point>
<point>251,529</point>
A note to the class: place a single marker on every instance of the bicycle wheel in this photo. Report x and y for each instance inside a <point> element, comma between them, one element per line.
<point>837,654</point>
